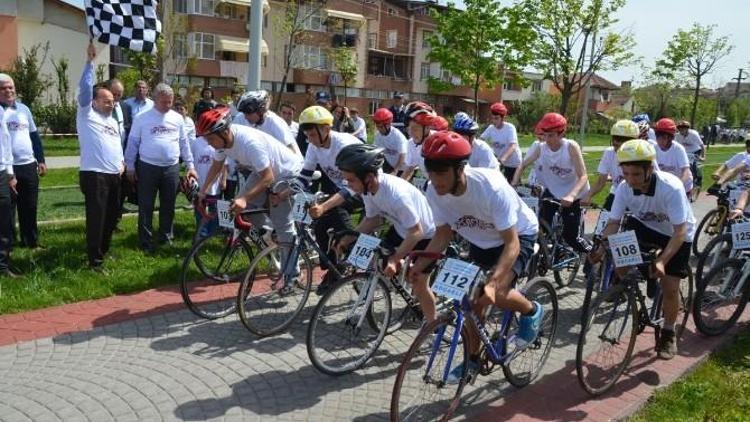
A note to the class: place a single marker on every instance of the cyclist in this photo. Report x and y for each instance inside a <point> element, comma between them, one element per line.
<point>396,200</point>
<point>440,124</point>
<point>690,139</point>
<point>736,160</point>
<point>269,162</point>
<point>254,112</point>
<point>562,173</point>
<point>390,139</point>
<point>316,123</point>
<point>504,141</point>
<point>489,214</point>
<point>533,180</point>
<point>663,216</point>
<point>609,168</point>
<point>419,120</point>
<point>481,153</point>
<point>741,206</point>
<point>644,126</point>
<point>670,155</point>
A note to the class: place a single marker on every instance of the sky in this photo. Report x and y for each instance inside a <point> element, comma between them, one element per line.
<point>654,22</point>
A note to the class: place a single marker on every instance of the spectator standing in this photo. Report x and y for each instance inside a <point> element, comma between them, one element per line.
<point>360,127</point>
<point>28,162</point>
<point>206,102</point>
<point>180,108</point>
<point>7,185</point>
<point>398,109</point>
<point>158,139</point>
<point>102,162</point>
<point>287,113</point>
<point>342,120</point>
<point>137,104</point>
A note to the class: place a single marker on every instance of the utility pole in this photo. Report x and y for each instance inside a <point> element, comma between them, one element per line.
<point>587,95</point>
<point>166,15</point>
<point>256,36</point>
<point>739,79</point>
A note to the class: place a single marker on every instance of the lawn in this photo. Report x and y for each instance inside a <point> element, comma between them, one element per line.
<point>718,390</point>
<point>58,147</point>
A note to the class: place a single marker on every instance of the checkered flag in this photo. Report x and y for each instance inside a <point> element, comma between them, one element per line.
<point>130,24</point>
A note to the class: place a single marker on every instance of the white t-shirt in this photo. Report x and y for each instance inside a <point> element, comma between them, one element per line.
<point>660,211</point>
<point>482,156</point>
<point>533,179</point>
<point>259,151</point>
<point>556,170</point>
<point>190,129</point>
<point>99,139</point>
<point>360,128</point>
<point>414,156</point>
<point>203,154</point>
<point>609,166</point>
<point>394,144</point>
<point>736,160</point>
<point>673,161</point>
<point>402,204</point>
<point>692,141</point>
<point>158,139</point>
<point>294,127</point>
<point>272,124</point>
<point>326,158</point>
<point>6,149</point>
<point>500,140</point>
<point>20,124</point>
<point>489,206</point>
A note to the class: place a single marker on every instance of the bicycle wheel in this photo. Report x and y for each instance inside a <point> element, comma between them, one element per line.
<point>565,266</point>
<point>707,229</point>
<point>262,308</point>
<point>686,304</point>
<point>606,342</point>
<point>401,312</point>
<point>211,274</point>
<point>339,340</point>
<point>717,304</point>
<point>419,393</point>
<point>525,366</point>
<point>716,251</point>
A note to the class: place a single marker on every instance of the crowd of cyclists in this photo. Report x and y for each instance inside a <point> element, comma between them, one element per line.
<point>437,186</point>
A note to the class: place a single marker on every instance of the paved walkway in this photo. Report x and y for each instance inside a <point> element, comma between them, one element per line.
<point>142,357</point>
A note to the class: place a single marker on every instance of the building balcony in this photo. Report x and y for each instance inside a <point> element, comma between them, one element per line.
<point>311,76</point>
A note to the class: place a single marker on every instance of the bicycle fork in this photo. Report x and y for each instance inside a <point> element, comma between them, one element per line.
<point>357,313</point>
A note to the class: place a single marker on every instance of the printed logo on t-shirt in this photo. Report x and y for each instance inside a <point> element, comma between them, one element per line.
<point>472,222</point>
<point>333,173</point>
<point>109,130</point>
<point>204,159</point>
<point>560,171</point>
<point>162,130</point>
<point>653,216</point>
<point>15,126</point>
<point>498,145</point>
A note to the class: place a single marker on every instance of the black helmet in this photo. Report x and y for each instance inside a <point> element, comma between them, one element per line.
<point>360,159</point>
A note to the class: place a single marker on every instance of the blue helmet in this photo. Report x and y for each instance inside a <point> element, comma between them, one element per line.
<point>640,118</point>
<point>463,123</point>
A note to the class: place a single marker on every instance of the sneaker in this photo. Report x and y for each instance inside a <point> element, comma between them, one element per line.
<point>454,377</point>
<point>286,289</point>
<point>529,325</point>
<point>666,349</point>
<point>325,285</point>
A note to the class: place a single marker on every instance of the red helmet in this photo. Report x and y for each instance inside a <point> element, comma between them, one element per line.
<point>382,115</point>
<point>446,146</point>
<point>537,131</point>
<point>553,122</point>
<point>666,125</point>
<point>213,121</point>
<point>440,123</point>
<point>499,109</point>
<point>421,112</point>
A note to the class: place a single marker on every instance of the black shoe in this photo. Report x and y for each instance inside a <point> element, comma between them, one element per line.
<point>325,285</point>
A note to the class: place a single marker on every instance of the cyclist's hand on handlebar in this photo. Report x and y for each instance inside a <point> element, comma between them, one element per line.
<point>238,204</point>
<point>736,213</point>
<point>316,210</point>
<point>715,176</point>
<point>586,201</point>
<point>566,201</point>
<point>392,267</point>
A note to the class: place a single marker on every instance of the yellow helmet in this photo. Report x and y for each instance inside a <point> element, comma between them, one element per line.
<point>316,115</point>
<point>625,129</point>
<point>636,150</point>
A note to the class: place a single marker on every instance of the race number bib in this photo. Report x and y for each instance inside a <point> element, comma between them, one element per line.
<point>741,236</point>
<point>625,250</point>
<point>601,223</point>
<point>455,279</point>
<point>523,190</point>
<point>299,209</point>
<point>363,251</point>
<point>532,202</point>
<point>225,217</point>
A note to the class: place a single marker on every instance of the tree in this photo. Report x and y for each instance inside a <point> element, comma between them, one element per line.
<point>27,75</point>
<point>529,112</point>
<point>63,86</point>
<point>695,53</point>
<point>291,27</point>
<point>576,40</point>
<point>345,61</point>
<point>479,44</point>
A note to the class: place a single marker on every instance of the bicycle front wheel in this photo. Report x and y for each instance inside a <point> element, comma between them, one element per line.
<point>686,303</point>
<point>420,392</point>
<point>606,342</point>
<point>718,303</point>
<point>211,274</point>
<point>264,308</point>
<point>707,229</point>
<point>339,338</point>
<point>716,251</point>
<point>526,364</point>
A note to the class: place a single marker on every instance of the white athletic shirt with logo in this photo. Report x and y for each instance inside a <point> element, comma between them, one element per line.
<point>402,204</point>
<point>668,206</point>
<point>500,140</point>
<point>482,156</point>
<point>272,124</point>
<point>203,157</point>
<point>394,144</point>
<point>259,151</point>
<point>20,124</point>
<point>159,139</point>
<point>556,171</point>
<point>414,157</point>
<point>673,161</point>
<point>326,157</point>
<point>736,160</point>
<point>610,167</point>
<point>692,141</point>
<point>489,206</point>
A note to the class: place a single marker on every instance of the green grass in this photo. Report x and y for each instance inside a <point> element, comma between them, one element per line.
<point>58,147</point>
<point>718,390</point>
<point>594,139</point>
<point>59,177</point>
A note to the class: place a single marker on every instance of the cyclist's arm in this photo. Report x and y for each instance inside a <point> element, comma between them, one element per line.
<point>369,224</point>
<point>511,248</point>
<point>580,168</point>
<point>686,174</point>
<point>439,242</point>
<point>399,163</point>
<point>413,237</point>
<point>265,181</point>
<point>675,242</point>
<point>732,173</point>
<point>529,160</point>
<point>739,208</point>
<point>601,181</point>
<point>213,172</point>
<point>406,175</point>
<point>336,200</point>
<point>719,171</point>
<point>511,148</point>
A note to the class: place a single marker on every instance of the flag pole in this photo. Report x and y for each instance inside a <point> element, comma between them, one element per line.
<point>256,35</point>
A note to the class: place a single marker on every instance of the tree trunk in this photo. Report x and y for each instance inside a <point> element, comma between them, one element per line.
<point>695,99</point>
<point>476,98</point>
<point>565,96</point>
<point>277,102</point>
<point>346,85</point>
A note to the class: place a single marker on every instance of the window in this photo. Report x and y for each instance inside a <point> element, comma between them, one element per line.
<point>391,66</point>
<point>392,12</point>
<point>605,96</point>
<point>203,45</point>
<point>391,38</point>
<point>228,11</point>
<point>536,86</point>
<point>425,39</point>
<point>374,105</point>
<point>221,82</point>
<point>180,6</point>
<point>446,76</point>
<point>264,60</point>
<point>310,57</point>
<point>372,40</point>
<point>313,18</point>
<point>424,71</point>
<point>204,7</point>
<point>180,47</point>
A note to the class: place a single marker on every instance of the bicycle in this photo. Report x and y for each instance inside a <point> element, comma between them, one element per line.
<point>212,269</point>
<point>617,316</point>
<point>354,316</point>
<point>423,373</point>
<point>714,223</point>
<point>696,169</point>
<point>555,254</point>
